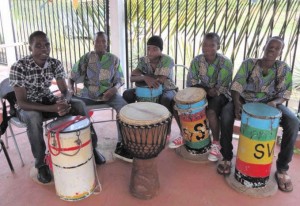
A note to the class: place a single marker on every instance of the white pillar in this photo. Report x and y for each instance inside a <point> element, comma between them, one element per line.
<point>117,31</point>
<point>8,32</point>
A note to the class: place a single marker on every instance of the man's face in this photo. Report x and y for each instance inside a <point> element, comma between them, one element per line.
<point>209,47</point>
<point>153,52</point>
<point>40,49</point>
<point>100,44</point>
<point>273,49</point>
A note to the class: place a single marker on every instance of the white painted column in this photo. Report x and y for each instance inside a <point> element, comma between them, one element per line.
<point>8,32</point>
<point>117,32</point>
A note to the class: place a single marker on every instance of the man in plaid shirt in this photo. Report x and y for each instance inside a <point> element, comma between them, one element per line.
<point>31,78</point>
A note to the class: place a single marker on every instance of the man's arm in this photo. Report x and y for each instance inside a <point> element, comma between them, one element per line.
<point>23,103</point>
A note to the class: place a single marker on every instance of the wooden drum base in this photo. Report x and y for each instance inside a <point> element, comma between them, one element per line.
<point>268,190</point>
<point>144,181</point>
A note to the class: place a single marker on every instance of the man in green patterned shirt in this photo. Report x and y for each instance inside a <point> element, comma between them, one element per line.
<point>102,77</point>
<point>266,80</point>
<point>154,70</point>
<point>212,71</point>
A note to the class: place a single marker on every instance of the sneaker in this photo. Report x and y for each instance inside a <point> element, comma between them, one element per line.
<point>215,154</point>
<point>176,143</point>
<point>122,153</point>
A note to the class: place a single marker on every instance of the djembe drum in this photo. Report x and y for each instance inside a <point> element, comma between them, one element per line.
<point>146,94</point>
<point>258,132</point>
<point>69,143</point>
<point>144,127</point>
<point>191,104</point>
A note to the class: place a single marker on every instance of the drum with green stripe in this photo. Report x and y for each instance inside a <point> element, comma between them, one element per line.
<point>259,126</point>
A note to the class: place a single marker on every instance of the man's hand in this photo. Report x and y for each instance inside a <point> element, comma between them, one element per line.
<point>62,107</point>
<point>272,104</point>
<point>213,92</point>
<point>238,109</point>
<point>151,82</point>
<point>109,93</point>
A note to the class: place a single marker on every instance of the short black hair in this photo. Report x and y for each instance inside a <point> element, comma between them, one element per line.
<point>278,38</point>
<point>100,33</point>
<point>156,41</point>
<point>213,35</point>
<point>36,34</point>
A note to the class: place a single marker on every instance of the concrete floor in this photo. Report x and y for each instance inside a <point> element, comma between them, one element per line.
<point>181,182</point>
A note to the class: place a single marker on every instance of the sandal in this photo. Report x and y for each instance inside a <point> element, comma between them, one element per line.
<point>284,181</point>
<point>224,167</point>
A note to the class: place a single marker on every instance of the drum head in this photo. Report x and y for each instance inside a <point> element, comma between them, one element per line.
<point>261,111</point>
<point>143,113</point>
<point>190,95</point>
<point>79,125</point>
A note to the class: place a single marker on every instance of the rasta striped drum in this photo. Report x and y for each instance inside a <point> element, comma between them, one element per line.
<point>259,126</point>
<point>146,94</point>
<point>191,105</point>
<point>69,143</point>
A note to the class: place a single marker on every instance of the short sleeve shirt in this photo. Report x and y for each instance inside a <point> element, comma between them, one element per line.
<point>99,74</point>
<point>216,75</point>
<point>164,68</point>
<point>253,86</point>
<point>35,79</point>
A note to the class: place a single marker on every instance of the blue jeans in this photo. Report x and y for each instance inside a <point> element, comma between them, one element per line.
<point>290,126</point>
<point>34,122</point>
<point>116,102</point>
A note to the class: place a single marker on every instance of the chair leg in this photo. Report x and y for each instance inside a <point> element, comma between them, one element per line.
<point>112,113</point>
<point>6,140</point>
<point>16,144</point>
<point>6,155</point>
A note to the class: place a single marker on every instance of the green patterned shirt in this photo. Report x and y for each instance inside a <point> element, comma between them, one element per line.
<point>99,75</point>
<point>253,86</point>
<point>216,75</point>
<point>164,68</point>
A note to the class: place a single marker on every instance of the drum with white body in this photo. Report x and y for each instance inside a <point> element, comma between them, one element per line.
<point>70,146</point>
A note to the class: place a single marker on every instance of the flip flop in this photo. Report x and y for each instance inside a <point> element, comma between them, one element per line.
<point>224,167</point>
<point>284,182</point>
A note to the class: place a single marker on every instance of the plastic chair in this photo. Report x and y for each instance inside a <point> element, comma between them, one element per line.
<point>96,107</point>
<point>6,88</point>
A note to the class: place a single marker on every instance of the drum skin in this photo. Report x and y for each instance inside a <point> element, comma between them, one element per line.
<point>73,167</point>
<point>259,126</point>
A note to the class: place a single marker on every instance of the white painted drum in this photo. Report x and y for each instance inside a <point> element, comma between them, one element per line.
<point>72,157</point>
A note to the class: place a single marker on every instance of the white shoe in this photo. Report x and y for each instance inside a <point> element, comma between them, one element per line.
<point>214,154</point>
<point>176,143</point>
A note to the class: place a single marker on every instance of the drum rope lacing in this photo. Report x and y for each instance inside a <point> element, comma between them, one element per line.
<point>57,129</point>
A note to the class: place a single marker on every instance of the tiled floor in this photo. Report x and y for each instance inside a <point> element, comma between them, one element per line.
<point>181,182</point>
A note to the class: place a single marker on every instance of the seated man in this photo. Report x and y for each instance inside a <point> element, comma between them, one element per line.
<point>103,76</point>
<point>212,71</point>
<point>31,78</point>
<point>266,80</point>
<point>154,69</point>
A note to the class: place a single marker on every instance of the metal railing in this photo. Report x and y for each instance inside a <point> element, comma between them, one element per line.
<point>243,25</point>
<point>3,59</point>
<point>70,25</point>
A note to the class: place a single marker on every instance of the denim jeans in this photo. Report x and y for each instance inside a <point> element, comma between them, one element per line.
<point>34,122</point>
<point>116,102</point>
